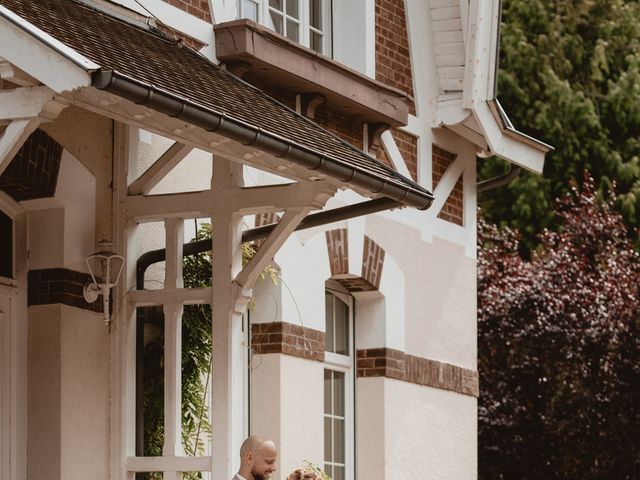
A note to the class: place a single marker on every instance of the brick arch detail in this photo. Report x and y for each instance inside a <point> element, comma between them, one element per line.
<point>368,279</point>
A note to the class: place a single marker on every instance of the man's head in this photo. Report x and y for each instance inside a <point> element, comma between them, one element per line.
<point>257,458</point>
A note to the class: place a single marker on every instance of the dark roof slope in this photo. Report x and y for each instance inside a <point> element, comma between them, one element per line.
<point>151,58</point>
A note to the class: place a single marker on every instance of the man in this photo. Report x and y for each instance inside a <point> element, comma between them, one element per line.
<point>257,459</point>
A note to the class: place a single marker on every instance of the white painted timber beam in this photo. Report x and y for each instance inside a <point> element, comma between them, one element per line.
<point>42,56</point>
<point>168,464</point>
<point>13,138</point>
<point>158,207</point>
<point>252,200</point>
<point>243,201</point>
<point>290,220</point>
<point>14,75</point>
<point>445,186</point>
<point>174,229</point>
<point>394,154</point>
<point>160,168</point>
<point>24,102</point>
<point>182,296</point>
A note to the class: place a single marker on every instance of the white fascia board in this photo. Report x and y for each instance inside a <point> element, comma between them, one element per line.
<point>508,143</point>
<point>42,56</point>
<point>481,45</point>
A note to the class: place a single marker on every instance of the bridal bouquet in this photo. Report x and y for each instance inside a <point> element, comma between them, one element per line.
<point>309,472</point>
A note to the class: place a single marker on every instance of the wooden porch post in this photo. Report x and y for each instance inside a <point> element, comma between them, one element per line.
<point>228,302</point>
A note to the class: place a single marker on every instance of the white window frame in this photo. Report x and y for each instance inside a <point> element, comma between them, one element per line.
<point>345,364</point>
<point>305,29</point>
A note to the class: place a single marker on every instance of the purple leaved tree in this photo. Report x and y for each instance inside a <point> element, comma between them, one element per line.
<point>559,348</point>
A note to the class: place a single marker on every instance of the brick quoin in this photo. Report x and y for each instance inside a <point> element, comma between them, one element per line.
<point>453,209</point>
<point>393,59</point>
<point>197,8</point>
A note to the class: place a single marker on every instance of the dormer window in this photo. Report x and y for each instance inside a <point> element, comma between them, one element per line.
<point>306,22</point>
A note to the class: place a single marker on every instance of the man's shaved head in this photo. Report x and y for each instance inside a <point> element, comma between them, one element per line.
<point>258,457</point>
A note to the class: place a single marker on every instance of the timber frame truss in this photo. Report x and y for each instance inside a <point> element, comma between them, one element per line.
<point>226,203</point>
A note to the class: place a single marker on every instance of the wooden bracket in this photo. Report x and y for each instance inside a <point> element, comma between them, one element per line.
<point>374,132</point>
<point>291,219</point>
<point>309,103</point>
<point>160,168</point>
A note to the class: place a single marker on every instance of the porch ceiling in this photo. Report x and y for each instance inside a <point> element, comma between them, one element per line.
<point>182,77</point>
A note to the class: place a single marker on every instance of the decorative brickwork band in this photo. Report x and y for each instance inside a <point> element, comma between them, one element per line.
<point>287,338</point>
<point>390,363</point>
<point>338,248</point>
<point>372,262</point>
<point>33,171</point>
<point>453,209</point>
<point>59,285</point>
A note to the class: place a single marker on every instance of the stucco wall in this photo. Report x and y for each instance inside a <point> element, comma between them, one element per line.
<point>287,405</point>
<point>68,381</point>
<point>89,138</point>
<point>440,279</point>
<point>414,432</point>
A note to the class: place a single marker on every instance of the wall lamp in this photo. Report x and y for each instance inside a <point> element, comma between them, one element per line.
<point>105,268</point>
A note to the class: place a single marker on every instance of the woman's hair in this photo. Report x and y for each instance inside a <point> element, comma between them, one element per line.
<point>304,474</point>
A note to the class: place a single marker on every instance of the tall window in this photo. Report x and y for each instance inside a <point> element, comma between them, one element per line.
<point>338,387</point>
<point>307,22</point>
<point>6,246</point>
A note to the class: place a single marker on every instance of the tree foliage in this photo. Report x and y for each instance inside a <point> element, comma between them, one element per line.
<point>559,348</point>
<point>570,75</point>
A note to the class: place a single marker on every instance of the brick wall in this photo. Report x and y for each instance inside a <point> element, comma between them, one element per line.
<point>453,209</point>
<point>33,171</point>
<point>197,8</point>
<point>60,285</point>
<point>408,146</point>
<point>287,338</point>
<point>347,128</point>
<point>390,363</point>
<point>393,60</point>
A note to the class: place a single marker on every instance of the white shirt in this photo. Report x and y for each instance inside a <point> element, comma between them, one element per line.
<point>238,477</point>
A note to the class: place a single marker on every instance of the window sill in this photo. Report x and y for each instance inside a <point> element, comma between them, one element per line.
<point>245,46</point>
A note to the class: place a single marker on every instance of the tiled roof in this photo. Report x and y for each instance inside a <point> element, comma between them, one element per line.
<point>150,57</point>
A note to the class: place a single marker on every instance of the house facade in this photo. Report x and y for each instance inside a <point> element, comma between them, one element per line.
<point>339,138</point>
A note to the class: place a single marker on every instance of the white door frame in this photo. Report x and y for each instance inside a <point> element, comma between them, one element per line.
<point>13,350</point>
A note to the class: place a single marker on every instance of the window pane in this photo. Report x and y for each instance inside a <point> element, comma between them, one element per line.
<point>292,30</point>
<point>276,4</point>
<point>315,41</point>
<point>338,394</point>
<point>6,246</point>
<point>276,20</point>
<point>329,470</point>
<point>338,473</point>
<point>342,328</point>
<point>327,391</point>
<point>292,8</point>
<point>315,13</point>
<point>250,10</point>
<point>338,440</point>
<point>327,440</point>
<point>328,308</point>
